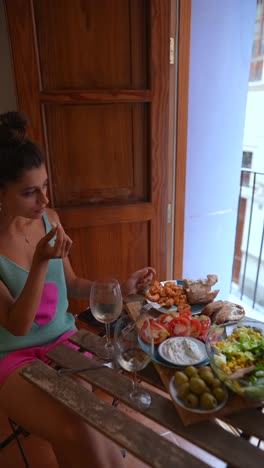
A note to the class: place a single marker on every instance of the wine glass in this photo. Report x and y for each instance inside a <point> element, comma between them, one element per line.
<point>134,354</point>
<point>106,305</point>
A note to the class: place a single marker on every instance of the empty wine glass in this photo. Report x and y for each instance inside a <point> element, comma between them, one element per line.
<point>106,305</point>
<point>134,354</point>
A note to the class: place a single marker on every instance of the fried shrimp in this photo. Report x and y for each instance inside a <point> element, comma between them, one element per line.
<point>169,302</point>
<point>168,295</point>
<point>153,298</point>
<point>169,292</point>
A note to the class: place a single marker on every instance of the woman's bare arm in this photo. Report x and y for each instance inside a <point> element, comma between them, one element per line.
<point>17,315</point>
<point>80,287</point>
<point>76,286</point>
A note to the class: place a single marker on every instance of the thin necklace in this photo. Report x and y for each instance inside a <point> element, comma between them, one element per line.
<point>21,234</point>
<point>26,239</point>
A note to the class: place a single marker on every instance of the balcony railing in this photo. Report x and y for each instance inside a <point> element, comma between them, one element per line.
<point>248,263</point>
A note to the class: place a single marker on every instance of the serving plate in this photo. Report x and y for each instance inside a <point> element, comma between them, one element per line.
<point>156,357</point>
<point>195,308</point>
<point>174,395</point>
<point>176,342</point>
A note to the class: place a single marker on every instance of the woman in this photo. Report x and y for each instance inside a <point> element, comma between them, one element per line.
<point>35,279</point>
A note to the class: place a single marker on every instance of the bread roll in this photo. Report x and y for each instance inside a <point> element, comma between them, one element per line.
<point>212,308</point>
<point>229,312</point>
<point>199,291</point>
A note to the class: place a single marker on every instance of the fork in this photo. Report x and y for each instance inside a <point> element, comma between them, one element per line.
<point>148,308</point>
<point>75,370</point>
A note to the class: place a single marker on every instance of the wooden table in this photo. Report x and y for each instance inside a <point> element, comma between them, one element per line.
<point>141,441</point>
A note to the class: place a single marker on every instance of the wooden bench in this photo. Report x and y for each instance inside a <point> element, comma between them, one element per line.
<point>134,436</point>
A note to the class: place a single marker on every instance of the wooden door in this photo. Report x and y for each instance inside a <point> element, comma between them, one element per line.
<point>93,77</point>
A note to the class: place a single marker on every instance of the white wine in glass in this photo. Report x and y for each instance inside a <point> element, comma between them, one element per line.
<point>133,355</point>
<point>106,305</point>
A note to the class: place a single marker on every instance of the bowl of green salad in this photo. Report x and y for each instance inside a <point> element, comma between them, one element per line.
<point>236,353</point>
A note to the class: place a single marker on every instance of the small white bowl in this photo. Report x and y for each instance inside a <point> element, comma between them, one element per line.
<point>176,343</point>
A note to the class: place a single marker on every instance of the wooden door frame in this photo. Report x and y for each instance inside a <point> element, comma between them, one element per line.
<point>30,78</point>
<point>178,132</point>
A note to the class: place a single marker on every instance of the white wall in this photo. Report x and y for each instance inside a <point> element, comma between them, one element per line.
<point>221,43</point>
<point>254,129</point>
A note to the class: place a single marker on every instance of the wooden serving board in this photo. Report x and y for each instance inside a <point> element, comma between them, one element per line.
<point>234,404</point>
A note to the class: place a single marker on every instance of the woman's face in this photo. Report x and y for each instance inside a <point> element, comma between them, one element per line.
<point>26,197</point>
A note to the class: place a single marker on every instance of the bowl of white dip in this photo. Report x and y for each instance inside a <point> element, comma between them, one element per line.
<point>183,351</point>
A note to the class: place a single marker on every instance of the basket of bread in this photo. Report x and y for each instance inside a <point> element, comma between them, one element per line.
<point>200,291</point>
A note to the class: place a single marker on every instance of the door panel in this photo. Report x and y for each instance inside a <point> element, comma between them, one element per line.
<point>94,42</point>
<point>104,143</point>
<point>93,77</point>
<point>113,240</point>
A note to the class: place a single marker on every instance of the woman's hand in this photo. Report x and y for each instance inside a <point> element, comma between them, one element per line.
<point>44,251</point>
<point>138,281</point>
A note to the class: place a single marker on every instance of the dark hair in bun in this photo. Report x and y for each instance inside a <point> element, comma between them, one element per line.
<point>17,153</point>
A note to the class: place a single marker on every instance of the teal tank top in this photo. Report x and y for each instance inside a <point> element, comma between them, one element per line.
<point>52,319</point>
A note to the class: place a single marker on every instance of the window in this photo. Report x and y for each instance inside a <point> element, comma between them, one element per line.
<point>246,164</point>
<point>247,159</point>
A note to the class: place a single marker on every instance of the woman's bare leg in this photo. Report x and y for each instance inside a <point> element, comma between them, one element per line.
<point>75,444</point>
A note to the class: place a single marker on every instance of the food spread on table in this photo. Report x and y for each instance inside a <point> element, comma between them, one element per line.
<point>174,330</point>
<point>183,297</point>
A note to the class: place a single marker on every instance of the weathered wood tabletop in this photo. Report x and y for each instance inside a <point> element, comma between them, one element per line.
<point>140,440</point>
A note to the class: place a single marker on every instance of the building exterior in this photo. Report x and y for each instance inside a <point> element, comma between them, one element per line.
<point>248,273</point>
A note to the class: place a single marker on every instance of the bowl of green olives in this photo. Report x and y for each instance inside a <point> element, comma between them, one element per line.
<point>198,390</point>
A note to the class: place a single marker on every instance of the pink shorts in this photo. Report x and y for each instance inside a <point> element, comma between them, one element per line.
<point>23,356</point>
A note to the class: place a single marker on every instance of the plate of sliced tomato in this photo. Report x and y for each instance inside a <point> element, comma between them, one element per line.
<point>184,324</point>
<point>176,324</point>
